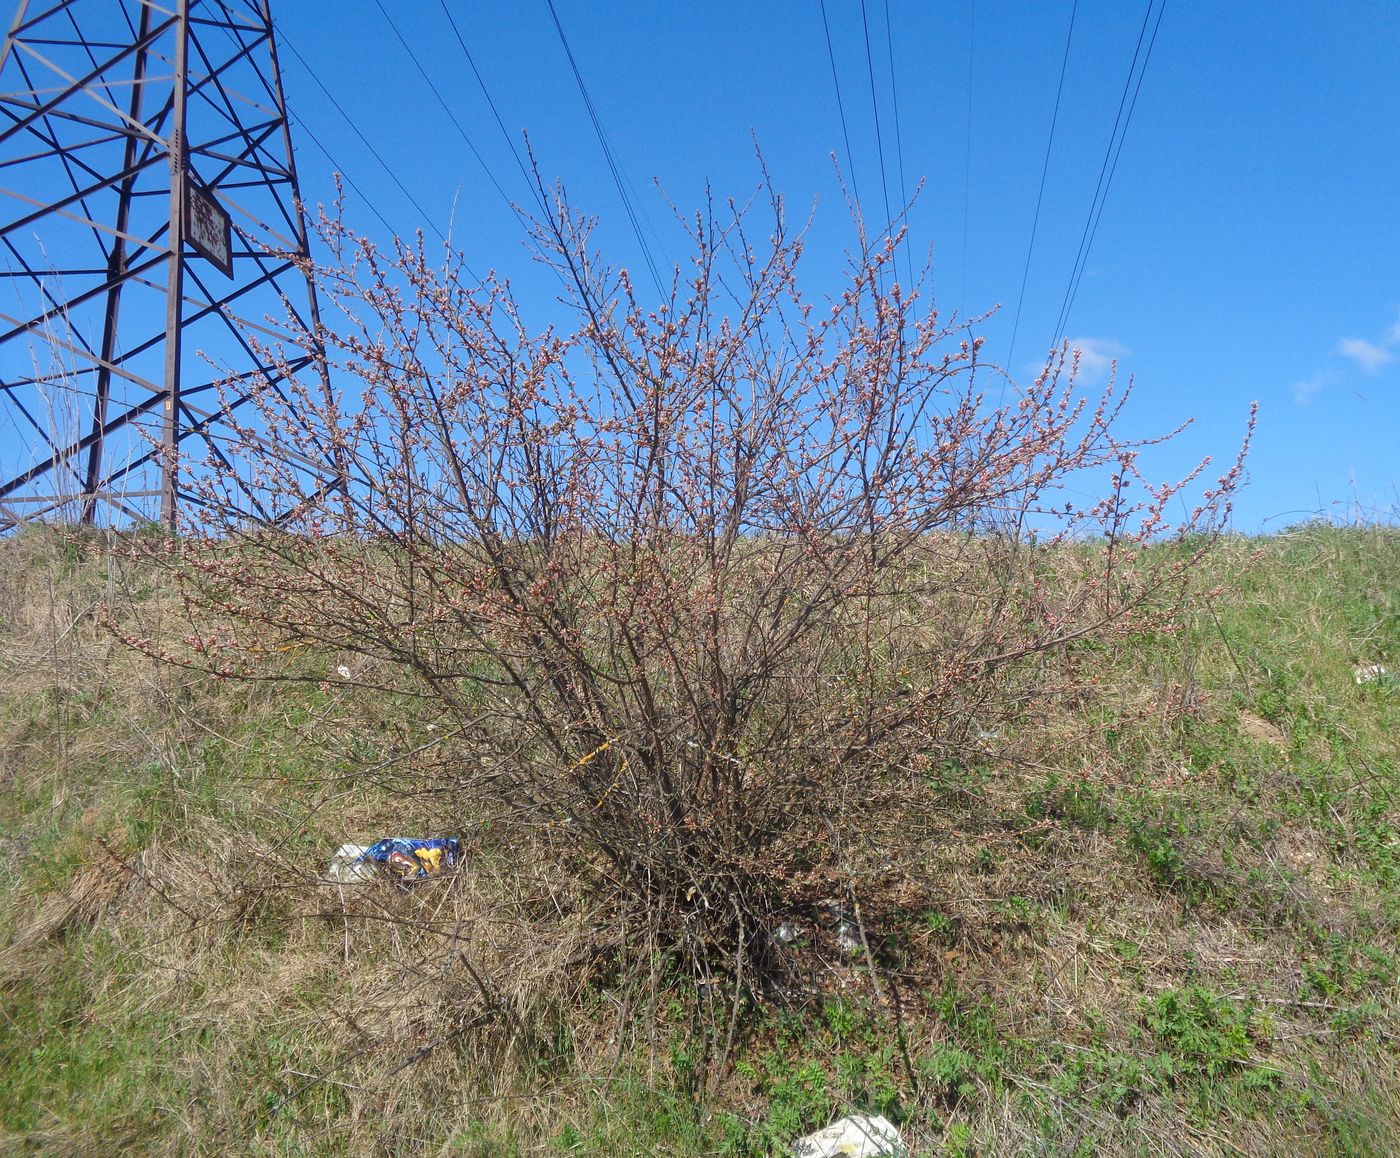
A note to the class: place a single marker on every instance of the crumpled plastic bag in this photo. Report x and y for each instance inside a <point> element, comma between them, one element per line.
<point>348,866</point>
<point>858,1136</point>
<point>404,858</point>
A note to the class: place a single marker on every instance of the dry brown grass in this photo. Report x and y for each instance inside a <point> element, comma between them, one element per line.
<point>165,843</point>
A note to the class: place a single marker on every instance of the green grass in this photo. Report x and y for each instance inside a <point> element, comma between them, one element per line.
<point>1165,905</point>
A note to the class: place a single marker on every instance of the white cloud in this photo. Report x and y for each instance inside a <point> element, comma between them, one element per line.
<point>1309,388</point>
<point>1369,356</point>
<point>1096,355</point>
<point>1392,335</point>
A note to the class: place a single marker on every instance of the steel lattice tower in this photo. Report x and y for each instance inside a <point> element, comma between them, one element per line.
<point>152,256</point>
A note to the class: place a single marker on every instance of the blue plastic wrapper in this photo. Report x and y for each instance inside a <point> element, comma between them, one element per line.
<point>413,859</point>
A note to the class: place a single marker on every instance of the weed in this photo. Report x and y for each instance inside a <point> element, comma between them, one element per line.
<point>942,926</point>
<point>1079,802</point>
<point>948,1072</point>
<point>1200,1029</point>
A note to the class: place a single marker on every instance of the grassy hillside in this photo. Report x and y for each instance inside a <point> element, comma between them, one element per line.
<point>1154,912</point>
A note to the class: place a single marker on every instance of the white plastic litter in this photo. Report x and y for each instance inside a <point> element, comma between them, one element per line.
<point>848,936</point>
<point>854,1137</point>
<point>1372,673</point>
<point>344,870</point>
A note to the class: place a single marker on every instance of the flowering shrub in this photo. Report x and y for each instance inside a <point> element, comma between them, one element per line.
<point>678,585</point>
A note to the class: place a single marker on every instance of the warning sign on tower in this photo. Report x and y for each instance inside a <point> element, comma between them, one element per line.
<point>207,227</point>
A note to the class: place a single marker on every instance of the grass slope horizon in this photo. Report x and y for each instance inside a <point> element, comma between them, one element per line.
<point>1156,912</point>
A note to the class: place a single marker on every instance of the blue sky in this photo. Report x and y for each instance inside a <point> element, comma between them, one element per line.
<point>1247,248</point>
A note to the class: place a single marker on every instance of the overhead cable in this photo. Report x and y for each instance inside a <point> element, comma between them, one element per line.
<point>302,127</point>
<point>311,72</point>
<point>456,121</point>
<point>1110,162</point>
<point>1040,196</point>
<point>840,106</point>
<point>495,112</point>
<point>875,109</point>
<point>608,154</point>
<point>898,141</point>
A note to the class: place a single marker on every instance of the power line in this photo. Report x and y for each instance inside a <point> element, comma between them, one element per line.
<point>607,152</point>
<point>339,168</point>
<point>311,72</point>
<point>1114,168</point>
<point>840,106</point>
<point>875,107</point>
<point>336,166</point>
<point>531,181</point>
<point>1040,196</point>
<point>1110,163</point>
<point>456,122</point>
<point>495,112</point>
<point>898,142</point>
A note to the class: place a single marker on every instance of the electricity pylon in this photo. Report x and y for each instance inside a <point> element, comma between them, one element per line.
<point>154,272</point>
